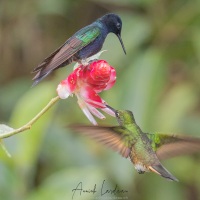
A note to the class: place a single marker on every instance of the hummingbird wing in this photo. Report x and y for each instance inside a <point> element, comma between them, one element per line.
<point>62,56</point>
<point>116,138</point>
<point>167,146</point>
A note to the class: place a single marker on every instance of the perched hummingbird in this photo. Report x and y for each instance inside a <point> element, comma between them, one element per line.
<point>145,150</point>
<point>83,44</point>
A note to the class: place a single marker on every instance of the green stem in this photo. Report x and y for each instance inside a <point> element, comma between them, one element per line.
<point>32,121</point>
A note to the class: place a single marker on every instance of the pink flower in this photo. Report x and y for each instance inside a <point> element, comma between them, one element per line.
<point>86,81</point>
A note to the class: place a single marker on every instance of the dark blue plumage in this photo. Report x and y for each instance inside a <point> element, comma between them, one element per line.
<point>83,44</point>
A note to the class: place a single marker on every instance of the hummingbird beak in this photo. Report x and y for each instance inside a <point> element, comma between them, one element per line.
<point>120,39</point>
<point>111,108</point>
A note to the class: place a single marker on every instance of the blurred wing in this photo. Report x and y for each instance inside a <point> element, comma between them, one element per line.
<point>118,141</point>
<point>69,48</point>
<point>167,146</point>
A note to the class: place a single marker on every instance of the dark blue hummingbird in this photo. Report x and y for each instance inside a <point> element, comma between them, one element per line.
<point>83,44</point>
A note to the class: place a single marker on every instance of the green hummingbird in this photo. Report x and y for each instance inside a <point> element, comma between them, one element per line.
<point>145,150</point>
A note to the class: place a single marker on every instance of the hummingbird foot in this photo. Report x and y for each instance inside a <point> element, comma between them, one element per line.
<point>88,60</point>
<point>83,62</point>
<point>140,172</point>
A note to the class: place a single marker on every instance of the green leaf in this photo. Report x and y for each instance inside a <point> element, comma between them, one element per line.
<point>178,102</point>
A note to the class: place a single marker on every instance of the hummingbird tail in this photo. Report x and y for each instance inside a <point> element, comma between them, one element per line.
<point>160,170</point>
<point>45,69</point>
<point>39,77</point>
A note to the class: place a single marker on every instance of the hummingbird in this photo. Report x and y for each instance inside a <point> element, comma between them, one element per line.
<point>83,44</point>
<point>145,150</point>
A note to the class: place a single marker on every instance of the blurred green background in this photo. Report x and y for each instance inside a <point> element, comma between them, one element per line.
<point>158,79</point>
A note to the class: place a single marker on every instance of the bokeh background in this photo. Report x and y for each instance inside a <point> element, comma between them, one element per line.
<point>158,79</point>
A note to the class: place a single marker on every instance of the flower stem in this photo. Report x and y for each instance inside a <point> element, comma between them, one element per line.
<point>32,121</point>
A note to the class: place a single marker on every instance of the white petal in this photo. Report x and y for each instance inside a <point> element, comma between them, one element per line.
<point>95,112</point>
<point>63,91</point>
<point>89,115</point>
<point>96,103</point>
<point>85,110</point>
<point>109,111</point>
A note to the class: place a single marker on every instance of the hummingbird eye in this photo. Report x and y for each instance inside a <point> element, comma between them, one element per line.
<point>117,114</point>
<point>118,26</point>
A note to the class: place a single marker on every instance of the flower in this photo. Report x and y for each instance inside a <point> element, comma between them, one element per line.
<point>86,81</point>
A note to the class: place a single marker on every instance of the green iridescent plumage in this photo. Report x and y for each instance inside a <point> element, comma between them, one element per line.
<point>88,35</point>
<point>145,150</point>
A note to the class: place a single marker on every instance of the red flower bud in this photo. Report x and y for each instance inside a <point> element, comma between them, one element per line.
<point>85,82</point>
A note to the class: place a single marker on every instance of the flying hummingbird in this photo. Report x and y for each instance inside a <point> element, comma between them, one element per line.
<point>145,150</point>
<point>83,44</point>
